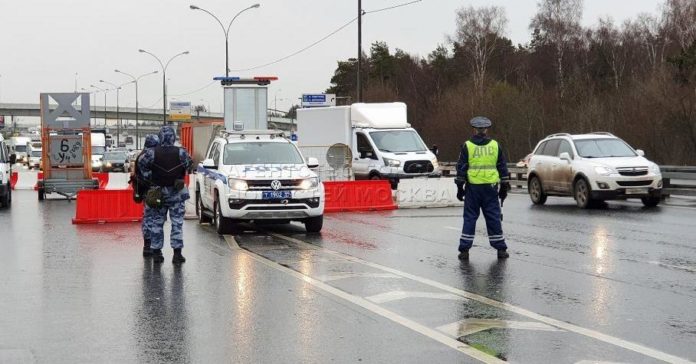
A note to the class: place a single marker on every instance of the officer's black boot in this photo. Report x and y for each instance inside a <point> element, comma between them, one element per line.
<point>463,255</point>
<point>157,256</point>
<point>147,252</point>
<point>503,254</point>
<point>178,258</point>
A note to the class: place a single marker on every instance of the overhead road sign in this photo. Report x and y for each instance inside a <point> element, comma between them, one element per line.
<point>180,110</point>
<point>318,100</point>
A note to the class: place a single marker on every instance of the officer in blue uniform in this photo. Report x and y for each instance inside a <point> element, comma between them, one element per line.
<point>140,186</point>
<point>166,166</point>
<point>482,169</point>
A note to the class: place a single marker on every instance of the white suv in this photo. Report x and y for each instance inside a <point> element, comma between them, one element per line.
<point>592,167</point>
<point>6,162</point>
<point>257,176</point>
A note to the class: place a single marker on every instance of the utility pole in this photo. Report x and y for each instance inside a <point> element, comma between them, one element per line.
<point>360,13</point>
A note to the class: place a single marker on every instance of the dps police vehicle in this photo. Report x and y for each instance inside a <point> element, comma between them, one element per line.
<point>6,162</point>
<point>257,176</point>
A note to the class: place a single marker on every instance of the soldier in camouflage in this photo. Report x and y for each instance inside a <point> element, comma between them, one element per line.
<point>140,188</point>
<point>166,166</point>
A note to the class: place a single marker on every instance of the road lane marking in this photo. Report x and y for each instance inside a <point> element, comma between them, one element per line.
<point>628,345</point>
<point>453,228</point>
<point>597,362</point>
<point>336,277</point>
<point>372,307</point>
<point>471,326</point>
<point>680,267</point>
<point>400,295</point>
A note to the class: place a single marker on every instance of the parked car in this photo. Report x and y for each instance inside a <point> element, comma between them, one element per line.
<point>591,168</point>
<point>115,161</point>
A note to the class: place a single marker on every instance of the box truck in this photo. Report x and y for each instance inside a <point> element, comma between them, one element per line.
<point>383,144</point>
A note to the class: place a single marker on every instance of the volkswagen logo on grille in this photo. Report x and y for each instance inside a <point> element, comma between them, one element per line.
<point>276,185</point>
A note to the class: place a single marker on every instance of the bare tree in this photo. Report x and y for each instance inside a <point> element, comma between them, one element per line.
<point>478,31</point>
<point>559,22</point>
<point>681,19</point>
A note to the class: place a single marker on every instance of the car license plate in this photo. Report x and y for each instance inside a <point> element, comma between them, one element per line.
<point>276,195</point>
<point>636,191</point>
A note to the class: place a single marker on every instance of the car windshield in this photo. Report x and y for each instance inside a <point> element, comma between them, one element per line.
<point>115,156</point>
<point>36,153</point>
<point>261,153</point>
<point>20,148</point>
<point>98,150</point>
<point>398,141</point>
<point>603,148</point>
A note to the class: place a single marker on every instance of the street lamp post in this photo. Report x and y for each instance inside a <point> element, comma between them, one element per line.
<point>118,114</point>
<point>226,31</point>
<point>105,91</point>
<point>94,115</point>
<point>135,81</point>
<point>164,79</point>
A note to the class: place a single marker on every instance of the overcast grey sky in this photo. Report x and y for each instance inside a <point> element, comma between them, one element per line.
<point>45,42</point>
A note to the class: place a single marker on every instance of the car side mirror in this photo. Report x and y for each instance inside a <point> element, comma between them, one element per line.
<point>435,150</point>
<point>209,164</point>
<point>13,158</point>
<point>312,163</point>
<point>640,152</point>
<point>565,156</point>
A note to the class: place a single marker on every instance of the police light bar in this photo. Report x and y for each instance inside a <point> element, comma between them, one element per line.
<point>259,80</point>
<point>266,78</point>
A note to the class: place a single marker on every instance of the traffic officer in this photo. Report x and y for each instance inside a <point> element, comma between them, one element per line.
<point>140,187</point>
<point>166,166</point>
<point>481,168</point>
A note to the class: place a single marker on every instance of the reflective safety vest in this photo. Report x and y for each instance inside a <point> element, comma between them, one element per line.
<point>482,163</point>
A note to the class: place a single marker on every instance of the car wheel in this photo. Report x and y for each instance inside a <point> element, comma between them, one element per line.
<point>202,217</point>
<point>536,191</point>
<point>650,201</point>
<point>223,225</point>
<point>4,200</point>
<point>582,194</point>
<point>314,224</point>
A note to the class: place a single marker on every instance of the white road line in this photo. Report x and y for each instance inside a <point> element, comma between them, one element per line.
<point>597,362</point>
<point>359,301</point>
<point>471,326</point>
<point>400,295</point>
<point>680,267</point>
<point>628,345</point>
<point>453,228</point>
<point>339,276</point>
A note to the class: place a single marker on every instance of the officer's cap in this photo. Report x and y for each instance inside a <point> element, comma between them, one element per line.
<point>481,122</point>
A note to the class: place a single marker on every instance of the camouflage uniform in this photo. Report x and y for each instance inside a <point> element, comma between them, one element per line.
<point>151,141</point>
<point>173,201</point>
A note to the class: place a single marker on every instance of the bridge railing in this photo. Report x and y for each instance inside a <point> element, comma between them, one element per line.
<point>677,180</point>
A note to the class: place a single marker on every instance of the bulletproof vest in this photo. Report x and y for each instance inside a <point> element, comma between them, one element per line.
<point>167,166</point>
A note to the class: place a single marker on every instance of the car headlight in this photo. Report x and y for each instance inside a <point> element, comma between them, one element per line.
<point>392,162</point>
<point>309,183</point>
<point>436,165</point>
<point>238,184</point>
<point>655,169</point>
<point>604,171</point>
<point>108,164</point>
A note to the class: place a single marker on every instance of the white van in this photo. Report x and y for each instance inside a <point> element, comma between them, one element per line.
<point>18,146</point>
<point>6,161</point>
<point>34,153</point>
<point>383,144</point>
<point>98,149</point>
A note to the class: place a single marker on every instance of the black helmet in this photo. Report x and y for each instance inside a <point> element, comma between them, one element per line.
<point>481,122</point>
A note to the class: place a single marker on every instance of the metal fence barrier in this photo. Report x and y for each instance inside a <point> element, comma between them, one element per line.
<point>677,180</point>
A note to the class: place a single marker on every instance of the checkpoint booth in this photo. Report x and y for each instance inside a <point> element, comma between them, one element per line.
<point>66,155</point>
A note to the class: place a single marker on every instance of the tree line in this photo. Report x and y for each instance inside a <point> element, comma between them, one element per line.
<point>636,79</point>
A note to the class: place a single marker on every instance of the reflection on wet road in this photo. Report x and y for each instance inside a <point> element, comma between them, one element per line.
<point>610,285</point>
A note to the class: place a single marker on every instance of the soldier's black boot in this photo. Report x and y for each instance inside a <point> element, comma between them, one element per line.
<point>178,258</point>
<point>157,256</point>
<point>503,254</point>
<point>147,252</point>
<point>463,255</point>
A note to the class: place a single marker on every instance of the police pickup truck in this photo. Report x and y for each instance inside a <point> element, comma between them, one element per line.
<point>257,176</point>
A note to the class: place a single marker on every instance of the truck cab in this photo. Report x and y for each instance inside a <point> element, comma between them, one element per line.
<point>34,153</point>
<point>98,141</point>
<point>257,176</point>
<point>6,161</point>
<point>18,146</point>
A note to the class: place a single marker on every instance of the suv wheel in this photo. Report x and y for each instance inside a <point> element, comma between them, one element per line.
<point>202,217</point>
<point>223,225</point>
<point>650,201</point>
<point>7,199</point>
<point>314,224</point>
<point>536,191</point>
<point>582,194</point>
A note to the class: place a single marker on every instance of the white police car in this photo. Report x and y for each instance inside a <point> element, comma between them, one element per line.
<point>257,176</point>
<point>6,162</point>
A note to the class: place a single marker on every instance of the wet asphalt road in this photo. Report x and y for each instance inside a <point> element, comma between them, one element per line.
<point>616,284</point>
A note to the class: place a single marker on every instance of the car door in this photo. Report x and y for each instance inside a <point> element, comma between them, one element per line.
<point>563,170</point>
<point>208,176</point>
<point>543,164</point>
<point>365,156</point>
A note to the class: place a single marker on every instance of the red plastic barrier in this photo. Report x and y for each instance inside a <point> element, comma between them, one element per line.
<point>38,178</point>
<point>102,206</point>
<point>358,196</point>
<point>103,179</point>
<point>13,179</point>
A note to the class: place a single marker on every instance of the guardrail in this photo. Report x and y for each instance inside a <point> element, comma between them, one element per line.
<point>518,178</point>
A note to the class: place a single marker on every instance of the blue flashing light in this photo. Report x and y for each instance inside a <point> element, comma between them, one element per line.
<point>223,78</point>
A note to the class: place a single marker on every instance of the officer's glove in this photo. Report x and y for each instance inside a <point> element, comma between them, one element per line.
<point>460,192</point>
<point>503,191</point>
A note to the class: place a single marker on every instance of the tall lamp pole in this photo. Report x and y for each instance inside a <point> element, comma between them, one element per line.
<point>118,114</point>
<point>164,79</point>
<point>135,81</point>
<point>105,91</point>
<point>226,31</point>
<point>360,14</point>
<point>94,115</point>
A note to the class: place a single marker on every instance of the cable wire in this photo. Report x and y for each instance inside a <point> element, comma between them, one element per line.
<point>392,7</point>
